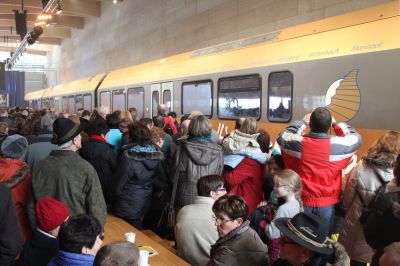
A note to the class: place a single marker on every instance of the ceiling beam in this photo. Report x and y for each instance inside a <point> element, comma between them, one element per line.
<point>54,32</point>
<point>66,21</point>
<point>84,8</point>
<point>43,40</point>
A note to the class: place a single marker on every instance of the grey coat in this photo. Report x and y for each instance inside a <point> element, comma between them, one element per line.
<point>360,189</point>
<point>194,159</point>
<point>66,177</point>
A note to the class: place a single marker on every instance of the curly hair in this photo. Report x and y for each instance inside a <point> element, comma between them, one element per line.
<point>385,149</point>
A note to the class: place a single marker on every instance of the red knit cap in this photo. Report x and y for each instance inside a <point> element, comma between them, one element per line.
<point>50,213</point>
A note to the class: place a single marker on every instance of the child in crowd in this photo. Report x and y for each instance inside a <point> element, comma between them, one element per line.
<point>287,187</point>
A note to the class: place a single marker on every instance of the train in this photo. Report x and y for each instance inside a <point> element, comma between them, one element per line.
<point>349,63</point>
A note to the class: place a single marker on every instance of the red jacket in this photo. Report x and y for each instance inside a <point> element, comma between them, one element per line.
<point>19,184</point>
<point>247,180</point>
<point>319,158</point>
<point>169,122</point>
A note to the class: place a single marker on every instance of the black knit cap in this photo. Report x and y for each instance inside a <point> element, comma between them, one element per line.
<point>64,130</point>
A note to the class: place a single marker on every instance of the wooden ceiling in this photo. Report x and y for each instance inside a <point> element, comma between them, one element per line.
<point>72,17</point>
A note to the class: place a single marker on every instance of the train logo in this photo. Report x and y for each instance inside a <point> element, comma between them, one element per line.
<point>343,97</point>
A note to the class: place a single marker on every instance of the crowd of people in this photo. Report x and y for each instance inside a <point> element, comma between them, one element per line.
<point>237,199</point>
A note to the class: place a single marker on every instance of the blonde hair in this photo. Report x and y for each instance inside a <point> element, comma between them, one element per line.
<point>126,116</point>
<point>385,148</point>
<point>292,180</point>
<point>249,126</point>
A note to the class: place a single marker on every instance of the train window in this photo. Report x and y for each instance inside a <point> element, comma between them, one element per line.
<point>51,102</point>
<point>57,104</point>
<point>280,86</point>
<point>239,97</point>
<point>167,99</point>
<point>65,104</point>
<point>87,102</point>
<point>105,99</point>
<point>71,104</point>
<point>79,102</point>
<point>136,99</point>
<point>203,100</point>
<point>118,100</point>
<point>155,96</point>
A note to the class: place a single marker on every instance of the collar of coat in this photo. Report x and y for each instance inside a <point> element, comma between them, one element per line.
<point>235,232</point>
<point>137,152</point>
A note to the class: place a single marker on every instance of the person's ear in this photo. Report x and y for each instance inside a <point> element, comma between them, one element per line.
<point>239,221</point>
<point>213,194</point>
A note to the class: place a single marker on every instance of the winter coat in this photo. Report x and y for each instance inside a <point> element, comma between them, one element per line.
<point>192,160</point>
<point>318,158</point>
<point>103,158</point>
<point>132,185</point>
<point>195,231</point>
<point>10,236</point>
<point>16,175</point>
<point>64,258</point>
<point>242,246</point>
<point>38,250</point>
<point>68,178</point>
<point>247,180</point>
<point>360,189</point>
<point>39,148</point>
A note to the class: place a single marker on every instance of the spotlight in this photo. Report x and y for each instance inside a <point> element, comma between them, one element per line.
<point>117,1</point>
<point>34,34</point>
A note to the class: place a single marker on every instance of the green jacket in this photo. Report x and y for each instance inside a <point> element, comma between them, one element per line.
<point>66,177</point>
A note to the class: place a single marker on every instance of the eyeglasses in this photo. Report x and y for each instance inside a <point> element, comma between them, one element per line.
<point>220,220</point>
<point>221,189</point>
<point>286,241</point>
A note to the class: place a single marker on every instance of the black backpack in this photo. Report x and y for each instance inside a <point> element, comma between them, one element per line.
<point>378,220</point>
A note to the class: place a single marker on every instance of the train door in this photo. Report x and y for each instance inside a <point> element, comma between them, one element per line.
<point>161,93</point>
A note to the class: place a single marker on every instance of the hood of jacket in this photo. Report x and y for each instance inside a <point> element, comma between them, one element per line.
<point>12,172</point>
<point>149,155</point>
<point>93,148</point>
<point>69,258</point>
<point>237,141</point>
<point>202,152</point>
<point>380,168</point>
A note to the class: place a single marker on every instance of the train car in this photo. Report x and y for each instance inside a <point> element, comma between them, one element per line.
<point>347,63</point>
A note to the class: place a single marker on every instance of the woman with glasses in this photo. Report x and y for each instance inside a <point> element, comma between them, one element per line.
<point>237,244</point>
<point>372,172</point>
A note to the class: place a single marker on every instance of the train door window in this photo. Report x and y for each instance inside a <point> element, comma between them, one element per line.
<point>87,102</point>
<point>167,95</point>
<point>239,97</point>
<point>203,100</point>
<point>71,104</point>
<point>280,92</point>
<point>136,99</point>
<point>79,102</point>
<point>65,104</point>
<point>155,97</point>
<point>44,103</point>
<point>57,104</point>
<point>118,100</point>
<point>105,99</point>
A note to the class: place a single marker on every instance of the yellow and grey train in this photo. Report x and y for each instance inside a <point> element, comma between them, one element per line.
<point>349,63</point>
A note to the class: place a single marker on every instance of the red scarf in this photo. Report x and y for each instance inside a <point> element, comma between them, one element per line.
<point>97,137</point>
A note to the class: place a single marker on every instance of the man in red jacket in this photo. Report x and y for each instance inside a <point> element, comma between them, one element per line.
<point>319,158</point>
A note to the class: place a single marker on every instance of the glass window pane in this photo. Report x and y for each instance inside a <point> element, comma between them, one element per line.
<point>71,104</point>
<point>239,97</point>
<point>87,102</point>
<point>136,99</point>
<point>105,99</point>
<point>57,104</point>
<point>118,100</point>
<point>79,102</point>
<point>65,104</point>
<point>52,103</point>
<point>203,100</point>
<point>280,86</point>
<point>167,99</point>
<point>155,102</point>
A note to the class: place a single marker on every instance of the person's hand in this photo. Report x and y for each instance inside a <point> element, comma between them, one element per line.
<point>262,204</point>
<point>306,118</point>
